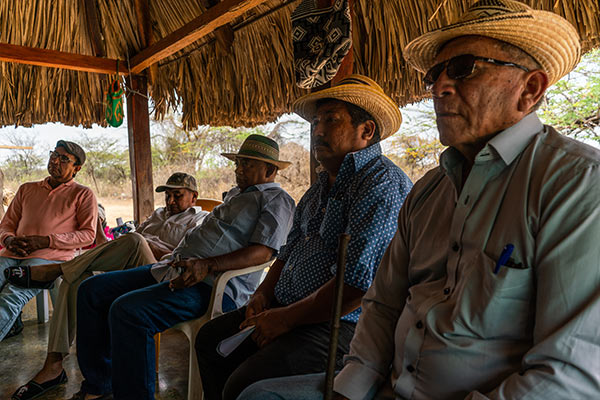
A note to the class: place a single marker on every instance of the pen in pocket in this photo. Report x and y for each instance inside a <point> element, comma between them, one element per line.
<point>504,257</point>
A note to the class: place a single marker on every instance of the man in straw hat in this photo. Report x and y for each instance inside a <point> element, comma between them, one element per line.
<point>156,236</point>
<point>360,193</point>
<point>45,223</point>
<point>491,288</point>
<point>118,313</point>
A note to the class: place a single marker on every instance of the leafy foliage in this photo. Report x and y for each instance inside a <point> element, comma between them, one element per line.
<point>416,148</point>
<point>23,164</point>
<point>105,161</point>
<point>572,105</point>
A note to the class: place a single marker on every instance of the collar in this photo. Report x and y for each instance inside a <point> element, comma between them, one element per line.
<point>512,141</point>
<point>507,144</point>
<point>45,183</point>
<point>261,187</point>
<point>360,158</point>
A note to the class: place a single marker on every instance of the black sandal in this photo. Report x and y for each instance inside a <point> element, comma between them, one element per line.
<point>21,276</point>
<point>33,390</point>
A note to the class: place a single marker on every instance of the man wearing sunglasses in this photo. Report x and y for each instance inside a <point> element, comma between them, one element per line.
<point>491,287</point>
<point>45,223</point>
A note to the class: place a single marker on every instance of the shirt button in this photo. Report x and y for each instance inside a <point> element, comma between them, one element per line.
<point>307,238</point>
<point>419,325</point>
<point>447,290</point>
<point>410,368</point>
<point>455,246</point>
<point>323,209</point>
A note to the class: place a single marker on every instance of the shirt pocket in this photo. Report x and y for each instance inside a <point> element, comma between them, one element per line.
<point>501,305</point>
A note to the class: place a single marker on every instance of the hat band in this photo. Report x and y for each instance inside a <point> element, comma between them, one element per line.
<point>487,19</point>
<point>252,153</point>
<point>260,148</point>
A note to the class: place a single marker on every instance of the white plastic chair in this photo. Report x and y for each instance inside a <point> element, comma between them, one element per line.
<point>41,302</point>
<point>191,328</point>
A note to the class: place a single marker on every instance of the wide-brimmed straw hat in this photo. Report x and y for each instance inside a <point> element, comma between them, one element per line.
<point>361,91</point>
<point>547,37</point>
<point>258,147</point>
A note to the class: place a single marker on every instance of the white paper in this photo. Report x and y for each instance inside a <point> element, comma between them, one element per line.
<point>226,346</point>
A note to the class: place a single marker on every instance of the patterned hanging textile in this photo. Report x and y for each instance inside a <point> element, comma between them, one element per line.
<point>114,102</point>
<point>322,38</point>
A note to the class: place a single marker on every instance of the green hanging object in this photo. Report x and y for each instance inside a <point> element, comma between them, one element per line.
<point>114,102</point>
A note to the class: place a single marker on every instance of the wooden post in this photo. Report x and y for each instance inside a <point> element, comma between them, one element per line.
<point>140,152</point>
<point>345,69</point>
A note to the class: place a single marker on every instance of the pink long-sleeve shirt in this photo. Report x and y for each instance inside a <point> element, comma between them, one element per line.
<point>67,214</point>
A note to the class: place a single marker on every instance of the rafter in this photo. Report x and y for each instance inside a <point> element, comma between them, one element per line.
<point>58,59</point>
<point>215,17</point>
<point>93,27</point>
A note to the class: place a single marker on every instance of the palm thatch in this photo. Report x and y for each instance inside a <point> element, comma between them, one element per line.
<point>249,84</point>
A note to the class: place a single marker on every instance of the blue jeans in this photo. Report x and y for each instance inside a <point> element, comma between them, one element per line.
<point>297,387</point>
<point>13,298</point>
<point>118,314</point>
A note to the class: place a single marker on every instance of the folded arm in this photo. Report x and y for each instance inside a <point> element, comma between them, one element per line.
<point>196,269</point>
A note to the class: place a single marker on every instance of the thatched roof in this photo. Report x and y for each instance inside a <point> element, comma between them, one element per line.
<point>251,83</point>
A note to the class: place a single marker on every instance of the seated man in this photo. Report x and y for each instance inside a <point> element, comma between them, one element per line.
<point>45,223</point>
<point>360,193</point>
<point>156,236</point>
<point>491,288</point>
<point>118,313</point>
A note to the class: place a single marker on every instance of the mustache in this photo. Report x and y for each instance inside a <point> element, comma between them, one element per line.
<point>320,142</point>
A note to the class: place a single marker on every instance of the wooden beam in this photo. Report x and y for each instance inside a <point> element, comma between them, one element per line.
<point>142,15</point>
<point>144,23</point>
<point>93,27</point>
<point>16,147</point>
<point>140,152</point>
<point>215,17</point>
<point>59,59</point>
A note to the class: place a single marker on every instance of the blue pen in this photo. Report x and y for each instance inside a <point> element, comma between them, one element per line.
<point>504,256</point>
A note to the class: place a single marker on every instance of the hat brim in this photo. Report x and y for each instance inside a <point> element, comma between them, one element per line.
<point>550,39</point>
<point>278,164</point>
<point>385,112</point>
<point>162,188</point>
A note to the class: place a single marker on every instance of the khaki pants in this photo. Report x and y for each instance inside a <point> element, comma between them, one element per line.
<point>128,251</point>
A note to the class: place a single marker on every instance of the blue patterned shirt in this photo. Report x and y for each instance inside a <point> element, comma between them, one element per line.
<point>363,202</point>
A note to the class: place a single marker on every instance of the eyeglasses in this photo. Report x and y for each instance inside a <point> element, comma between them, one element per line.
<point>63,159</point>
<point>462,66</point>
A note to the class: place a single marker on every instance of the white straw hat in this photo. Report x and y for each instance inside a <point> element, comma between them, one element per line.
<point>361,91</point>
<point>547,37</point>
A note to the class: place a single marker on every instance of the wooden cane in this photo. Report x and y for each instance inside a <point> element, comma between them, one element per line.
<point>336,313</point>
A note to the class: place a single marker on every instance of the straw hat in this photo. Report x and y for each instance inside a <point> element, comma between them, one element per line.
<point>258,147</point>
<point>549,38</point>
<point>361,91</point>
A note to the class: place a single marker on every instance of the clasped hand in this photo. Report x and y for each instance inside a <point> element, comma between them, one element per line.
<point>25,245</point>
<point>194,270</point>
<point>269,323</point>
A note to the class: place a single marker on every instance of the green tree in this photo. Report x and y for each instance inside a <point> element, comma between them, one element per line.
<point>173,145</point>
<point>105,161</point>
<point>572,105</point>
<point>416,148</point>
<point>23,165</point>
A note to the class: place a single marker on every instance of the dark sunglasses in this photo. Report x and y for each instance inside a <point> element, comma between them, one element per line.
<point>462,66</point>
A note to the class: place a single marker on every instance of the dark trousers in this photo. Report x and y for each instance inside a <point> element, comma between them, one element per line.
<point>303,350</point>
<point>118,314</point>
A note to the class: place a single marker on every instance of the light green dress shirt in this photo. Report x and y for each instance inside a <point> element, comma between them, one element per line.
<point>438,323</point>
